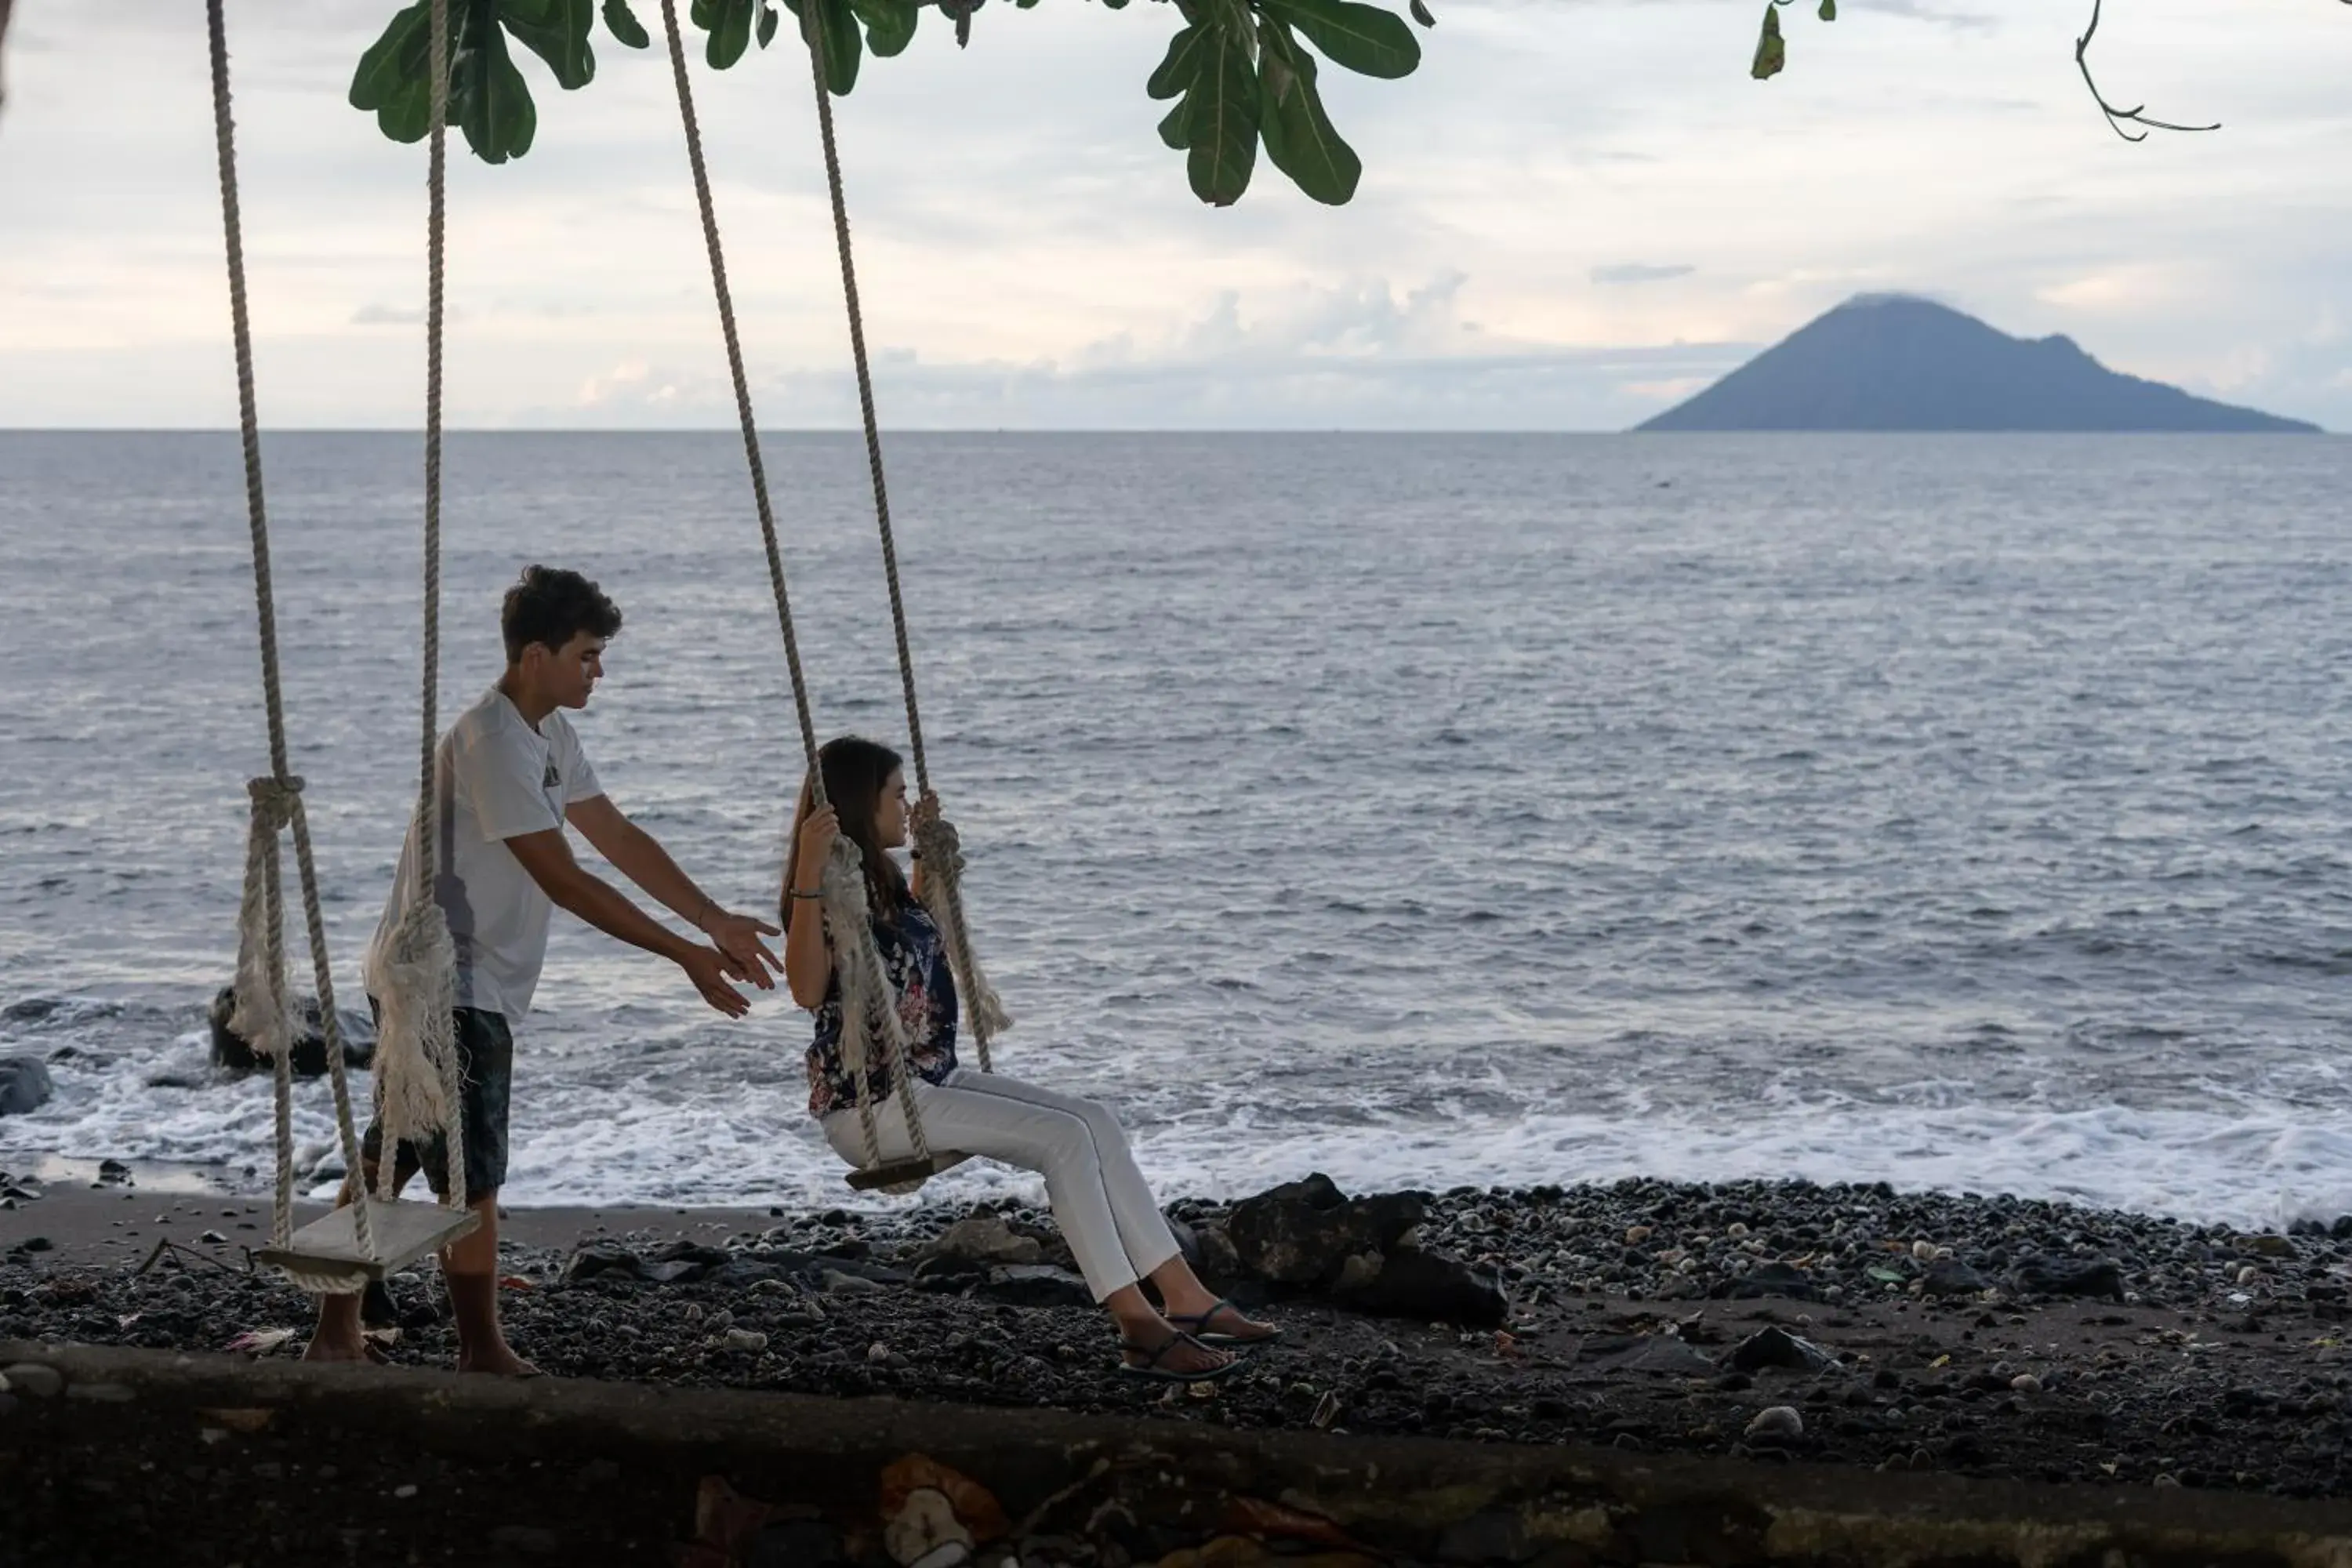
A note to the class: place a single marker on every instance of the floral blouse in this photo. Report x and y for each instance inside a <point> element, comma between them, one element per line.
<point>915,958</point>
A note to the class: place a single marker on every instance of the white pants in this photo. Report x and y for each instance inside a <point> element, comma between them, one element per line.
<point>1099,1197</point>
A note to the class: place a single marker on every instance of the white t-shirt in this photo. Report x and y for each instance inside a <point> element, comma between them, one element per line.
<point>498,778</point>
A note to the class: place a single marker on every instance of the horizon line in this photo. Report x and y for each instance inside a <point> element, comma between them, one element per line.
<point>417,432</point>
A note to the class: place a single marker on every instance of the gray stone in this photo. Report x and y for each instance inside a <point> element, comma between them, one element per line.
<point>33,1379</point>
<point>1781,1279</point>
<point>24,1085</point>
<point>591,1261</point>
<point>1778,1424</point>
<point>1359,1272</point>
<point>835,1283</point>
<point>1661,1355</point>
<point>1037,1285</point>
<point>985,1238</point>
<point>1779,1348</point>
<point>2066,1277</point>
<point>1950,1277</point>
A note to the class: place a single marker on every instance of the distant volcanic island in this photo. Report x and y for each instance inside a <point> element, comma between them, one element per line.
<point>1897,362</point>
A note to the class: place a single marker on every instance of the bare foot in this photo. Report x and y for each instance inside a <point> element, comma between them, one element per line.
<point>326,1347</point>
<point>498,1360</point>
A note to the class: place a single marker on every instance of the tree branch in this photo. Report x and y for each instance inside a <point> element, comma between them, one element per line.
<point>2119,119</point>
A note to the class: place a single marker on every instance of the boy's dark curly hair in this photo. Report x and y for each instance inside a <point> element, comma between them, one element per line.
<point>549,606</point>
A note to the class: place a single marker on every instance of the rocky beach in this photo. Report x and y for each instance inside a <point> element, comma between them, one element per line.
<point>1984,1336</point>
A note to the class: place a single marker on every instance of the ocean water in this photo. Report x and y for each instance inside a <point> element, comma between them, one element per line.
<point>1967,813</point>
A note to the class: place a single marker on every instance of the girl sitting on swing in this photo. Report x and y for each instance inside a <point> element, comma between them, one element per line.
<point>1099,1197</point>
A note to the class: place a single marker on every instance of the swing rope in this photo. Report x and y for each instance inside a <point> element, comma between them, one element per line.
<point>742,388</point>
<point>261,1014</point>
<point>417,1080</point>
<point>868,1002</point>
<point>936,840</point>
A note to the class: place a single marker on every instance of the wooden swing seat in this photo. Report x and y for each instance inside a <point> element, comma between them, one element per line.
<point>904,1175</point>
<point>327,1249</point>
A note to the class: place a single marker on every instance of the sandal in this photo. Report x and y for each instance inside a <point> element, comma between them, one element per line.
<point>1149,1367</point>
<point>1197,1325</point>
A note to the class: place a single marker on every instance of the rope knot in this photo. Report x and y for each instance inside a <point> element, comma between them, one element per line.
<point>275,798</point>
<point>937,840</point>
<point>941,848</point>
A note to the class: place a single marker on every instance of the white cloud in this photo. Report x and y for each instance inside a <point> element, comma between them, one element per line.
<point>1641,272</point>
<point>2128,289</point>
<point>1029,253</point>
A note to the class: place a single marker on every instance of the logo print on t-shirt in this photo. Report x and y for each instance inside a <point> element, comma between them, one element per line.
<point>553,778</point>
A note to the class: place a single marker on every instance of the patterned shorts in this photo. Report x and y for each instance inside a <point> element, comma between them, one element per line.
<point>486,1054</point>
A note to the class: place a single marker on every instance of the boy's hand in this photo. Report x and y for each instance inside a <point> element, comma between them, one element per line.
<point>738,937</point>
<point>709,969</point>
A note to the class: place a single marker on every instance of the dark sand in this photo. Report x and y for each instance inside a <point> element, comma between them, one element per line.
<point>2218,1360</point>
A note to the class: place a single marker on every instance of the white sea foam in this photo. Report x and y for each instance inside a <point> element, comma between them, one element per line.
<point>753,1144</point>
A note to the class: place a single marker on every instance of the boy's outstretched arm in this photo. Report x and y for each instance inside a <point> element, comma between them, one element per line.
<point>640,857</point>
<point>573,887</point>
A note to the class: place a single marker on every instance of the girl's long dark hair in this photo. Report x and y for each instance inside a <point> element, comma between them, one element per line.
<point>855,771</point>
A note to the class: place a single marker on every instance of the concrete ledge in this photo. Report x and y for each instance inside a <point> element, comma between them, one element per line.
<point>153,1456</point>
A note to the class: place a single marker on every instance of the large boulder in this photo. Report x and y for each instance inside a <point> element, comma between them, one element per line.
<point>230,1049</point>
<point>1426,1287</point>
<point>24,1085</point>
<point>1310,1238</point>
<point>1302,1233</point>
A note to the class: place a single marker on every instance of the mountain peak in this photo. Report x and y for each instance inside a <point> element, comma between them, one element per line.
<point>1903,361</point>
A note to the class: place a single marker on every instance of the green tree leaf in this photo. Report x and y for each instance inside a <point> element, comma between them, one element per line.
<point>1421,12</point>
<point>845,46</point>
<point>1223,119</point>
<point>1829,10</point>
<point>1772,51</point>
<point>730,23</point>
<point>384,71</point>
<point>842,49</point>
<point>889,24</point>
<point>1182,64</point>
<point>768,15</point>
<point>1176,129</point>
<point>407,114</point>
<point>1299,137</point>
<point>557,32</point>
<point>490,101</point>
<point>1363,38</point>
<point>623,24</point>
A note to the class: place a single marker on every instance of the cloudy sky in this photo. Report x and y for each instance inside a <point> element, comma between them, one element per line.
<point>1576,213</point>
